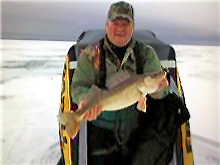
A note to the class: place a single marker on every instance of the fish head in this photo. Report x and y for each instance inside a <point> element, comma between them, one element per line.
<point>150,83</point>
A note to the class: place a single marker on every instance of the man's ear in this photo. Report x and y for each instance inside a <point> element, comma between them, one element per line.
<point>106,24</point>
<point>132,27</point>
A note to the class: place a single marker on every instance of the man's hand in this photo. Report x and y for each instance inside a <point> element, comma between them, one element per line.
<point>91,114</point>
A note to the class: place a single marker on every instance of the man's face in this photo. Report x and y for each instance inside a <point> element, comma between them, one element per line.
<point>119,31</point>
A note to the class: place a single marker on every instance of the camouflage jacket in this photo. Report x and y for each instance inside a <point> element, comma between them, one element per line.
<point>87,71</point>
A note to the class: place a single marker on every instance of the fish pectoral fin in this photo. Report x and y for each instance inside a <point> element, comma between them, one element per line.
<point>142,106</point>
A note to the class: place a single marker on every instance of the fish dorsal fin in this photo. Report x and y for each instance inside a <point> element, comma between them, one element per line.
<point>93,94</point>
<point>117,78</point>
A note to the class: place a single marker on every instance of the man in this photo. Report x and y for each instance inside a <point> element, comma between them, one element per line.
<point>119,137</point>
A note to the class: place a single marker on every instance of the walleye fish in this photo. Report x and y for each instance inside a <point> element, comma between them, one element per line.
<point>127,91</point>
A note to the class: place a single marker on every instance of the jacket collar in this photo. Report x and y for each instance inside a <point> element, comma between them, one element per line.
<point>113,57</point>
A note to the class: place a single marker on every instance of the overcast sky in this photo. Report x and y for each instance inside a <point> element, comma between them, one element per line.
<point>175,22</point>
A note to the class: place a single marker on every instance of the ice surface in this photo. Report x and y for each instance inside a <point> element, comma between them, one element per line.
<point>30,87</point>
<point>31,83</point>
<point>199,72</point>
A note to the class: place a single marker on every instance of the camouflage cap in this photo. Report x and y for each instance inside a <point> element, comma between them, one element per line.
<point>121,9</point>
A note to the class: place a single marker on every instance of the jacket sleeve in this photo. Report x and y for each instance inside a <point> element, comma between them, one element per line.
<point>152,64</point>
<point>83,78</point>
<point>151,61</point>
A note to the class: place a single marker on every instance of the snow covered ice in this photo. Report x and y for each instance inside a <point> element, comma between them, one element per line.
<point>31,83</point>
<point>30,88</point>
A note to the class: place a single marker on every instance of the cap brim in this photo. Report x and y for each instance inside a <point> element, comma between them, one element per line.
<point>122,16</point>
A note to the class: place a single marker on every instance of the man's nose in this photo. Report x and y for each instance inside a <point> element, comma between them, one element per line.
<point>120,28</point>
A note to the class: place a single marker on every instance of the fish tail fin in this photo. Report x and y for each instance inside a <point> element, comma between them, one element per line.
<point>72,122</point>
<point>64,117</point>
<point>73,128</point>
